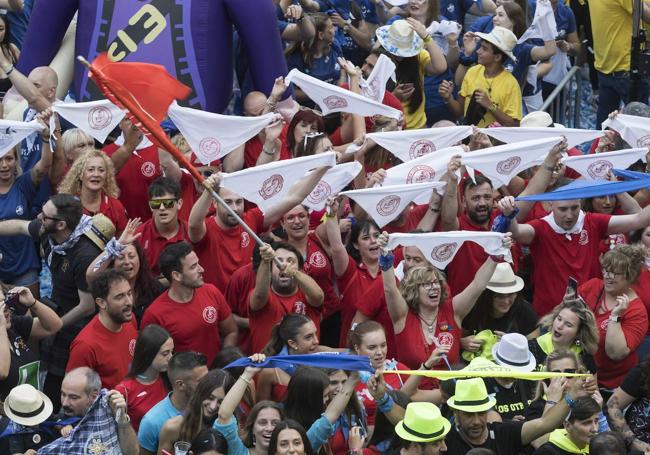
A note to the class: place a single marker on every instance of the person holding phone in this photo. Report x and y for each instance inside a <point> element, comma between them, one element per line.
<point>23,318</point>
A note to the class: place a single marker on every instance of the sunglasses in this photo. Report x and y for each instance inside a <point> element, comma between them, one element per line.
<point>547,381</point>
<point>167,203</point>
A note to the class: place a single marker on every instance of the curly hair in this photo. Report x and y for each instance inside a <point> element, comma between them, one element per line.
<point>625,259</point>
<point>410,285</point>
<point>71,183</point>
<point>587,332</point>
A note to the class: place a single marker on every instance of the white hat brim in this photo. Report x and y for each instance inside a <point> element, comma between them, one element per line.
<point>487,37</point>
<point>384,40</point>
<point>530,366</point>
<point>489,404</point>
<point>32,420</point>
<point>518,286</point>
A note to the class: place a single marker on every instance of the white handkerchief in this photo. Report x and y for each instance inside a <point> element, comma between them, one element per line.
<point>144,143</point>
<point>635,130</point>
<point>427,168</point>
<point>439,248</point>
<point>97,118</point>
<point>596,166</point>
<point>383,204</point>
<point>331,98</point>
<point>408,145</point>
<point>503,162</point>
<point>375,87</point>
<point>517,134</point>
<point>213,136</point>
<point>560,66</point>
<point>334,180</point>
<point>13,132</point>
<point>267,184</point>
<point>544,25</point>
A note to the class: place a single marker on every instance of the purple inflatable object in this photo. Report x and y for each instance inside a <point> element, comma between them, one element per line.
<point>191,38</point>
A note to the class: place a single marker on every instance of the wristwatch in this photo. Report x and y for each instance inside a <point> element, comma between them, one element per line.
<point>493,108</point>
<point>613,318</point>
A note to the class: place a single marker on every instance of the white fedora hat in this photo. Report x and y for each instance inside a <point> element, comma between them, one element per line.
<point>502,38</point>
<point>504,280</point>
<point>539,119</point>
<point>400,39</point>
<point>27,406</point>
<point>512,351</point>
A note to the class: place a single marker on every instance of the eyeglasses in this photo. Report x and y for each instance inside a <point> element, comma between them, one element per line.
<point>568,370</point>
<point>167,203</point>
<point>45,217</point>
<point>612,274</point>
<point>430,285</point>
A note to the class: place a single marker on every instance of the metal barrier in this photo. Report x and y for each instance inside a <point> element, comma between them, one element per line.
<point>563,104</point>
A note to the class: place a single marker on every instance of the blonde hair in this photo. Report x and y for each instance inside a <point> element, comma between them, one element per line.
<point>587,335</point>
<point>625,259</point>
<point>71,183</point>
<point>71,138</point>
<point>410,286</point>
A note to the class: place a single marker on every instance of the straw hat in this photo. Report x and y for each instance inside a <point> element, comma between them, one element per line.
<point>539,119</point>
<point>400,39</point>
<point>504,280</point>
<point>101,231</point>
<point>422,423</point>
<point>502,38</point>
<point>471,396</point>
<point>512,352</point>
<point>27,406</point>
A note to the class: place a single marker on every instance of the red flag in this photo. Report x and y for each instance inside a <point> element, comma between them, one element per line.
<point>155,89</point>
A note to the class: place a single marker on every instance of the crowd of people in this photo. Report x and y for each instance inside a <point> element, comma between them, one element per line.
<point>156,287</point>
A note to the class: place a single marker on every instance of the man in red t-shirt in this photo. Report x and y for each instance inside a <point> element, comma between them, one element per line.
<point>279,292</point>
<point>566,243</point>
<point>195,314</point>
<point>107,342</point>
<point>222,244</point>
<point>164,228</point>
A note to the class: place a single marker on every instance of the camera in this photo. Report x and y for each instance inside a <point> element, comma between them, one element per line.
<point>12,301</point>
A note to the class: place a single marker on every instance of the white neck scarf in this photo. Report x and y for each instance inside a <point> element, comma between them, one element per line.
<point>566,232</point>
<point>635,130</point>
<point>334,180</point>
<point>427,168</point>
<point>213,136</point>
<point>517,134</point>
<point>13,132</point>
<point>384,204</point>
<point>267,184</point>
<point>439,248</point>
<point>543,25</point>
<point>408,145</point>
<point>596,166</point>
<point>144,143</point>
<point>97,118</point>
<point>375,87</point>
<point>331,98</point>
<point>503,162</point>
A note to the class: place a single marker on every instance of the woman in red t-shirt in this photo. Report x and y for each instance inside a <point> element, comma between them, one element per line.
<point>424,316</point>
<point>146,384</point>
<point>92,178</point>
<point>619,204</point>
<point>621,317</point>
<point>641,237</point>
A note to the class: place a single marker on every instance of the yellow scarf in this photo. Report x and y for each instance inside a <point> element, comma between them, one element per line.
<point>560,439</point>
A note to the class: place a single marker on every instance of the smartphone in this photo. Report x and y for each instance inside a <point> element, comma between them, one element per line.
<point>572,285</point>
<point>12,301</point>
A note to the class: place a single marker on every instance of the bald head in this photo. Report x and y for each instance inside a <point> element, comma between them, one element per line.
<point>79,389</point>
<point>442,124</point>
<point>46,80</point>
<point>254,104</point>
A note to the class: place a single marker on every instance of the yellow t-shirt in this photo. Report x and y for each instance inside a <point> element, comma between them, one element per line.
<point>503,90</point>
<point>611,22</point>
<point>418,119</point>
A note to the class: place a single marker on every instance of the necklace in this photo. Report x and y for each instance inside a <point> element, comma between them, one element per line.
<point>430,326</point>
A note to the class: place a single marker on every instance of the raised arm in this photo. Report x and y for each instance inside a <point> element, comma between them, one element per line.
<point>620,224</point>
<point>522,233</point>
<point>296,195</point>
<point>45,321</point>
<point>340,257</point>
<point>196,223</point>
<point>397,307</point>
<point>260,295</point>
<point>340,401</point>
<point>464,302</point>
<point>272,143</point>
<point>449,204</point>
<point>616,406</point>
<point>236,393</point>
<point>128,237</point>
<point>42,167</point>
<point>132,138</point>
<point>86,307</point>
<point>544,52</point>
<point>14,227</point>
<point>313,292</point>
<point>25,87</point>
<point>429,220</point>
<point>302,30</point>
<point>437,63</point>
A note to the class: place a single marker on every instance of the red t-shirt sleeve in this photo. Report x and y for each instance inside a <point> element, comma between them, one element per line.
<point>347,277</point>
<point>255,219</point>
<point>81,355</point>
<point>370,306</point>
<point>635,324</point>
<point>223,310</point>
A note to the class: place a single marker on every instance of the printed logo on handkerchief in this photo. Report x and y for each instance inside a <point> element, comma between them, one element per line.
<point>320,192</point>
<point>643,141</point>
<point>245,240</point>
<point>6,135</point>
<point>506,166</point>
<point>148,169</point>
<point>335,102</point>
<point>443,252</point>
<point>271,186</point>
<point>317,260</point>
<point>210,146</point>
<point>584,237</point>
<point>599,169</point>
<point>420,174</point>
<point>99,117</point>
<point>421,147</point>
<point>371,90</point>
<point>387,205</point>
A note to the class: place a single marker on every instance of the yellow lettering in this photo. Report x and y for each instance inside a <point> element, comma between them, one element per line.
<point>155,23</point>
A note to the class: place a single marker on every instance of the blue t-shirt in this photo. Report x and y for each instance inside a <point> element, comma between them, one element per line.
<point>483,24</point>
<point>454,10</point>
<point>18,22</point>
<point>326,68</point>
<point>18,252</point>
<point>153,421</point>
